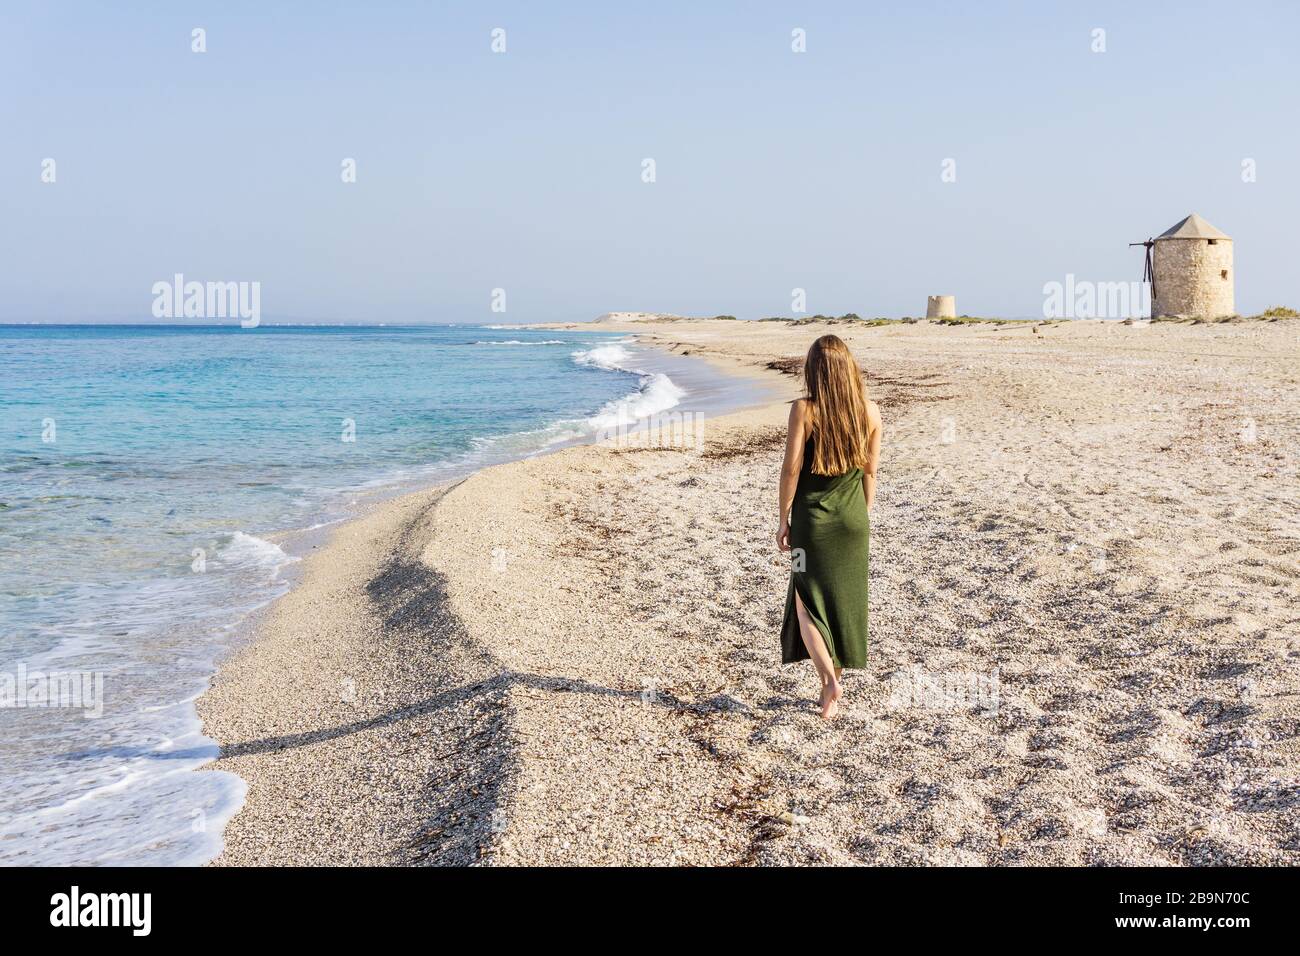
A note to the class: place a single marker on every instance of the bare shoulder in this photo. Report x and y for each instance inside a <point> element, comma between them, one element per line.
<point>873,413</point>
<point>800,419</point>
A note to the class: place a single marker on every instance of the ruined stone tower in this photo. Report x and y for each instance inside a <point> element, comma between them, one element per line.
<point>941,307</point>
<point>1191,271</point>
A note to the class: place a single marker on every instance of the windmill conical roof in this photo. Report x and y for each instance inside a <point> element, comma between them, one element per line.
<point>1193,227</point>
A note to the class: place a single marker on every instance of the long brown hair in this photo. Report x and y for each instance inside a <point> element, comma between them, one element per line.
<point>838,401</point>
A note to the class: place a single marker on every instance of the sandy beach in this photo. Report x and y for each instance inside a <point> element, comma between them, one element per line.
<point>1085,629</point>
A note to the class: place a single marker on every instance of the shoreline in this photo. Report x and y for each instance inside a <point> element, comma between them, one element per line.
<point>378,506</point>
<point>570,658</point>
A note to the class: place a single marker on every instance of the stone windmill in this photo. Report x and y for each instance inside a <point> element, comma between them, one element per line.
<point>1189,266</point>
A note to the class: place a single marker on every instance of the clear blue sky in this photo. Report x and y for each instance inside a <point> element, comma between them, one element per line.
<point>522,170</point>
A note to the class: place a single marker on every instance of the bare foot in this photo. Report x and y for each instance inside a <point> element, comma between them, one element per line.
<point>829,699</point>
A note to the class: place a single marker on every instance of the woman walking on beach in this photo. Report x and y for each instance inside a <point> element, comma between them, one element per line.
<point>828,483</point>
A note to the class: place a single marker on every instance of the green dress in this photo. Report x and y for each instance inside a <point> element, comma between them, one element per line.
<point>829,532</point>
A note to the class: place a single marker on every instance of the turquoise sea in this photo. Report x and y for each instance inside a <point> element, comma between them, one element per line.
<point>148,472</point>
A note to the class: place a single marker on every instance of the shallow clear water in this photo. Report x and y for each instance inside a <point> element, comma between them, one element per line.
<point>143,469</point>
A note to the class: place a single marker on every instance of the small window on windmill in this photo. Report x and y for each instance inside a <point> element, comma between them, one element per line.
<point>1223,273</point>
<point>1213,242</point>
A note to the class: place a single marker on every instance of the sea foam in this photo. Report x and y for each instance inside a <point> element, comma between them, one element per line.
<point>655,392</point>
<point>519,342</point>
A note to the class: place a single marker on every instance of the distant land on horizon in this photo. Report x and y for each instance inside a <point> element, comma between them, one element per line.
<point>403,323</point>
